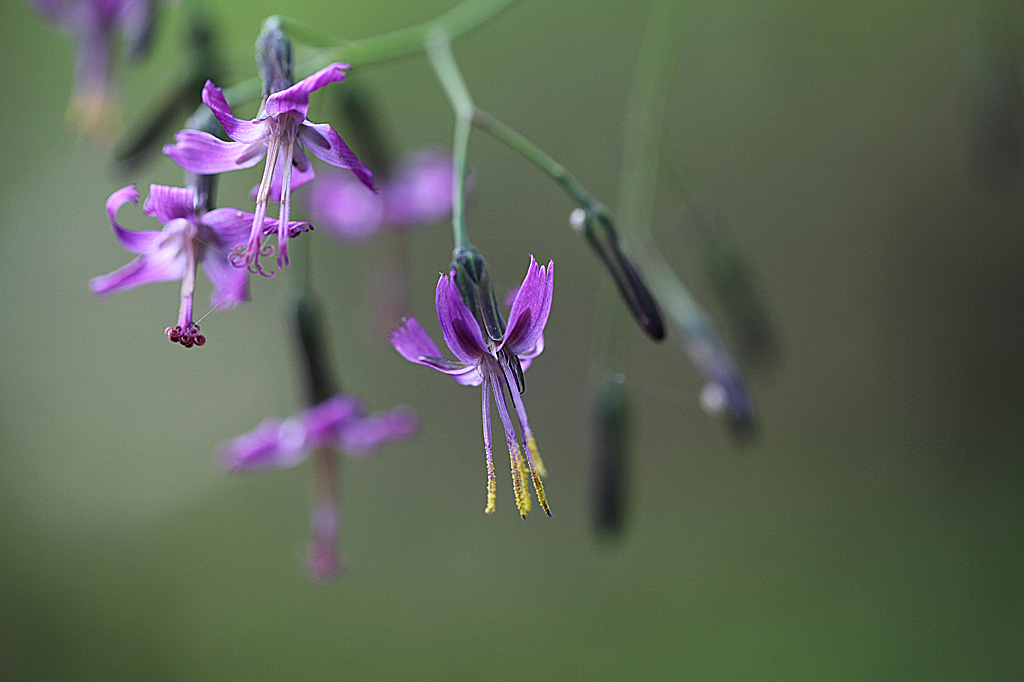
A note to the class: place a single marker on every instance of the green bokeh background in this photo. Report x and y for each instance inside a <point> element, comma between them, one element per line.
<point>873,532</point>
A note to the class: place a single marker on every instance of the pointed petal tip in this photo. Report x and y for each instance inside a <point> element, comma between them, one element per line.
<point>97,288</point>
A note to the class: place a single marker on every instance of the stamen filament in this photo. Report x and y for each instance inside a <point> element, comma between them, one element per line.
<point>486,410</point>
<point>188,282</point>
<point>513,447</point>
<point>255,249</point>
<point>286,194</point>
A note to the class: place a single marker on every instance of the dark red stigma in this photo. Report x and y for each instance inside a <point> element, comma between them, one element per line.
<point>188,338</point>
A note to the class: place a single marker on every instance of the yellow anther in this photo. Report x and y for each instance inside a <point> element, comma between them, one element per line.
<point>517,480</point>
<point>538,463</point>
<point>539,487</point>
<point>524,477</point>
<point>489,509</point>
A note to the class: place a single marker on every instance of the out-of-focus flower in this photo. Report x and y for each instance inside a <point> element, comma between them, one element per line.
<point>280,133</point>
<point>338,424</point>
<point>416,193</point>
<point>494,363</point>
<point>174,252</point>
<point>419,192</point>
<point>95,25</point>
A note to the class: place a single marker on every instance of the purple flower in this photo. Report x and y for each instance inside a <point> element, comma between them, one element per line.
<point>280,133</point>
<point>420,192</point>
<point>94,24</point>
<point>492,363</point>
<point>173,253</point>
<point>337,424</point>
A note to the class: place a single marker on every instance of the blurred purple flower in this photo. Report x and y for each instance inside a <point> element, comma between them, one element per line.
<point>492,363</point>
<point>280,133</point>
<point>186,240</point>
<point>94,25</point>
<point>420,192</point>
<point>338,424</point>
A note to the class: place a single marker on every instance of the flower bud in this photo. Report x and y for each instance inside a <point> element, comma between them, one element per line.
<point>274,57</point>
<point>366,124</point>
<point>320,382</point>
<point>474,284</point>
<point>610,423</point>
<point>734,284</point>
<point>603,238</point>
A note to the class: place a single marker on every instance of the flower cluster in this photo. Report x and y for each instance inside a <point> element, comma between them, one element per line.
<point>492,349</point>
<point>228,241</point>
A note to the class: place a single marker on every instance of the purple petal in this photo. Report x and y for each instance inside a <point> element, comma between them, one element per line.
<point>295,227</point>
<point>145,269</point>
<point>412,342</point>
<point>324,143</point>
<point>414,345</point>
<point>55,10</point>
<point>421,191</point>
<point>231,226</point>
<point>345,207</point>
<point>205,154</point>
<point>527,356</point>
<point>459,327</point>
<point>136,242</point>
<point>92,58</point>
<point>471,376</point>
<point>531,308</point>
<point>230,284</point>
<point>237,129</point>
<point>324,421</point>
<point>360,437</point>
<point>169,203</point>
<point>272,444</point>
<point>296,98</point>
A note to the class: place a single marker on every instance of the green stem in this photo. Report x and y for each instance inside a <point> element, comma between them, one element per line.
<point>439,52</point>
<point>393,45</point>
<point>403,42</point>
<point>645,113</point>
<point>514,140</point>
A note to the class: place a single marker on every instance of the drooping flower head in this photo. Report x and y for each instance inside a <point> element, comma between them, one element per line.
<point>492,355</point>
<point>95,25</point>
<point>280,133</point>
<point>418,193</point>
<point>338,424</point>
<point>187,240</point>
